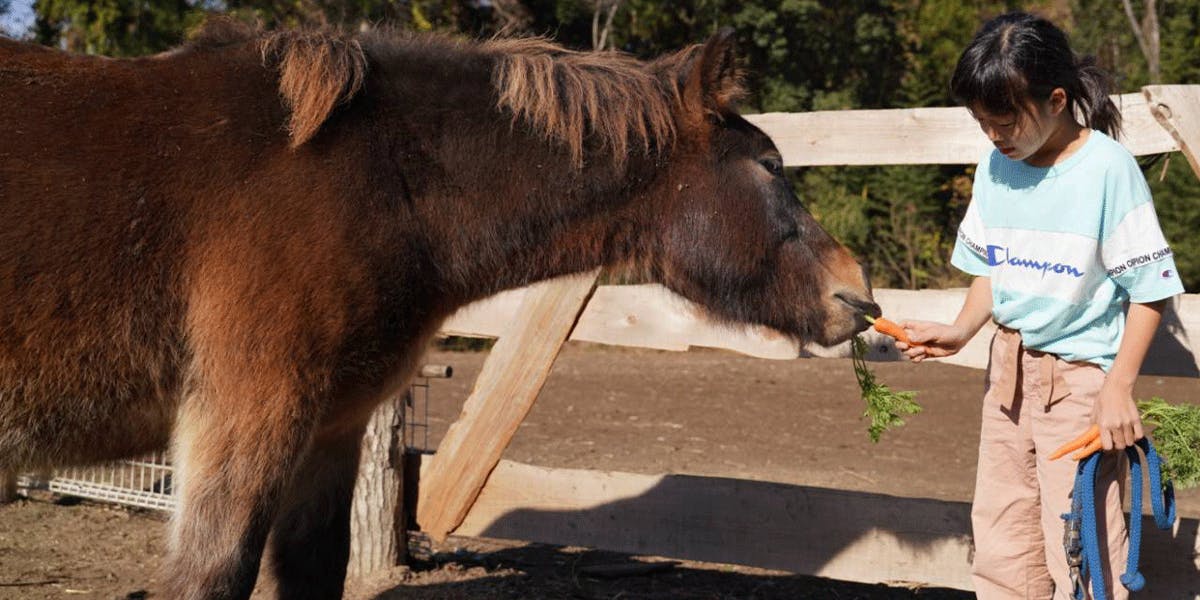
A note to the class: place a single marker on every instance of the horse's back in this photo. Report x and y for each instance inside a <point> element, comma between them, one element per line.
<point>100,165</point>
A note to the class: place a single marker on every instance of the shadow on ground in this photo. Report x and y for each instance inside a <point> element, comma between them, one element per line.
<point>543,571</point>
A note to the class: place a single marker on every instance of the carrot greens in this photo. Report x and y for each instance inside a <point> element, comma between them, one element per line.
<point>1176,437</point>
<point>885,408</point>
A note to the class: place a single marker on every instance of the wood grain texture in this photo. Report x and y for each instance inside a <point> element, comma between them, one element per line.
<point>504,392</point>
<point>1177,110</point>
<point>908,136</point>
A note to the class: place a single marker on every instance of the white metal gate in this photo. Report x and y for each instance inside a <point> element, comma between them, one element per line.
<point>147,482</point>
<point>144,482</point>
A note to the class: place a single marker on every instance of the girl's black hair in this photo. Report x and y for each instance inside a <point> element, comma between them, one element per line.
<point>1018,56</point>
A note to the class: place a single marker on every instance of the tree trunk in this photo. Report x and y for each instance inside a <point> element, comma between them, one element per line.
<point>1147,33</point>
<point>377,525</point>
<point>600,34</point>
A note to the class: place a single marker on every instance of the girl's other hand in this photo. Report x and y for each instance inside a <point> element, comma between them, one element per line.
<point>1117,415</point>
<point>932,340</point>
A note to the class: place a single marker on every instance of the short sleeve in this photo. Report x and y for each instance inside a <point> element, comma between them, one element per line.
<point>1132,246</point>
<point>970,249</point>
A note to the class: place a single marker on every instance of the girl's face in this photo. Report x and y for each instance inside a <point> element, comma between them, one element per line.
<point>1023,134</point>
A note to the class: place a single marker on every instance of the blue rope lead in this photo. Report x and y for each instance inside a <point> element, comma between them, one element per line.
<point>1081,539</point>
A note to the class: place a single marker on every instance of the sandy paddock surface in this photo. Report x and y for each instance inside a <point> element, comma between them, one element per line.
<point>701,412</point>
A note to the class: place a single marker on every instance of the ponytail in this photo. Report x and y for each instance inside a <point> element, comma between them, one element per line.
<point>1092,98</point>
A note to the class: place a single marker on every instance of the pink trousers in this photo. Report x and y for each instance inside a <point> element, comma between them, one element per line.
<point>1035,402</point>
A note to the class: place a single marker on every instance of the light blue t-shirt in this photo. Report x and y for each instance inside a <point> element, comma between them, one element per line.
<point>1066,247</point>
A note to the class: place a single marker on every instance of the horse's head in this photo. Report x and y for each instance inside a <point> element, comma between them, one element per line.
<point>734,236</point>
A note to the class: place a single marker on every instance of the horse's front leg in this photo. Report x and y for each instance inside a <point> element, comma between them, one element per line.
<point>234,459</point>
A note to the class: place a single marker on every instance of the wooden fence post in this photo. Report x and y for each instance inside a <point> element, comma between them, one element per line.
<point>1177,108</point>
<point>504,392</point>
<point>378,531</point>
<point>8,487</point>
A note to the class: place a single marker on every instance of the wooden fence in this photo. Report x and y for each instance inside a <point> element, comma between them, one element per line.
<point>846,535</point>
<point>531,325</point>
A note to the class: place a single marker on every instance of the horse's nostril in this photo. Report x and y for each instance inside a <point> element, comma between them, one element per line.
<point>861,305</point>
<point>874,310</point>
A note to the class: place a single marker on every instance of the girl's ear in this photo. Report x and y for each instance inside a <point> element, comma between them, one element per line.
<point>1057,101</point>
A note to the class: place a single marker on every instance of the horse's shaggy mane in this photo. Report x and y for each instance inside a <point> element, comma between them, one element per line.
<point>317,71</point>
<point>571,97</point>
<point>609,101</point>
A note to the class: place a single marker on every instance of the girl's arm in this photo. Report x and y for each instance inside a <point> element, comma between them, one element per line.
<point>1116,411</point>
<point>938,339</point>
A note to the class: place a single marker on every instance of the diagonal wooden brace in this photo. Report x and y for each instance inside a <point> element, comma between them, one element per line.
<point>510,381</point>
<point>1177,108</point>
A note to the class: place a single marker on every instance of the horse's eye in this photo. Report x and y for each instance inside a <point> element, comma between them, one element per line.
<point>773,166</point>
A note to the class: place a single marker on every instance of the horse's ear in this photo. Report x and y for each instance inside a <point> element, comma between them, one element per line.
<point>317,72</point>
<point>713,81</point>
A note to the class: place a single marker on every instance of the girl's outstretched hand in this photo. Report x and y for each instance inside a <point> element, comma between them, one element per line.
<point>931,340</point>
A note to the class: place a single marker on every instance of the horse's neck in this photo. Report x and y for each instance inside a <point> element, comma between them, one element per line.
<point>501,204</point>
<point>559,231</point>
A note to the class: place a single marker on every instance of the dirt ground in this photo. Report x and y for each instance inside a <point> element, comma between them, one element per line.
<point>717,413</point>
<point>84,550</point>
<point>700,412</point>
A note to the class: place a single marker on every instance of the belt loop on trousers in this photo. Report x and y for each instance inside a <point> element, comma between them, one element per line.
<point>1006,356</point>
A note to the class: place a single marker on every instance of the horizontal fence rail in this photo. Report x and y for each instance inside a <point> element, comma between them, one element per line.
<point>926,136</point>
<point>650,316</point>
<point>848,535</point>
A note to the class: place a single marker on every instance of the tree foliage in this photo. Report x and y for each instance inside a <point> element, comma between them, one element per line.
<point>800,55</point>
<point>114,27</point>
<point>1107,34</point>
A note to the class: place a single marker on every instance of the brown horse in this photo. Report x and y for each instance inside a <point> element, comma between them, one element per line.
<point>241,246</point>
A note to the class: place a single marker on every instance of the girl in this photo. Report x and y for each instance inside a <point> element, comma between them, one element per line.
<point>1069,260</point>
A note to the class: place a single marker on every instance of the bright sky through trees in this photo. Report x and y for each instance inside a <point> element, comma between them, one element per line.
<point>17,19</point>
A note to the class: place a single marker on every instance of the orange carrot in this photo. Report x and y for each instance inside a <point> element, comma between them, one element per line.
<point>892,328</point>
<point>1095,446</point>
<point>1083,442</point>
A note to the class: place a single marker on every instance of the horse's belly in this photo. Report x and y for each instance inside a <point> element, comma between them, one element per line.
<point>46,432</point>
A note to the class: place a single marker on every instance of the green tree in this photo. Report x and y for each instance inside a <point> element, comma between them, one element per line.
<point>1106,33</point>
<point>115,27</point>
<point>902,219</point>
<point>420,15</point>
<point>137,27</point>
<point>799,55</point>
